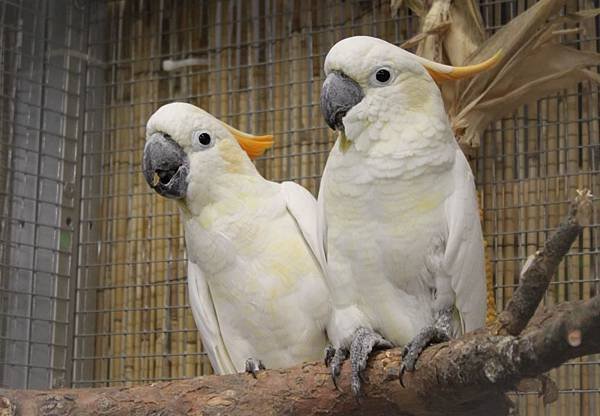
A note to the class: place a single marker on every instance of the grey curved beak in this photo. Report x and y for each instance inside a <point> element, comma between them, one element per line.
<point>165,166</point>
<point>338,95</point>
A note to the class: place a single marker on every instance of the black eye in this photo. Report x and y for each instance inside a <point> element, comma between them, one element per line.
<point>383,75</point>
<point>204,139</point>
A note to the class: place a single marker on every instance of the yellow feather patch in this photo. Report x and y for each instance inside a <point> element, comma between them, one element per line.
<point>253,145</point>
<point>344,142</point>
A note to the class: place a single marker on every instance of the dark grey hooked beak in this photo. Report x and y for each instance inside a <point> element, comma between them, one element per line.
<point>339,94</point>
<point>165,166</point>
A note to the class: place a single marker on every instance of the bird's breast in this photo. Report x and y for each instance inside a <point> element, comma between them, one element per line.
<point>383,228</point>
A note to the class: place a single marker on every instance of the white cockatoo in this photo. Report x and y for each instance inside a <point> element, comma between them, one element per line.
<point>255,280</point>
<point>397,206</point>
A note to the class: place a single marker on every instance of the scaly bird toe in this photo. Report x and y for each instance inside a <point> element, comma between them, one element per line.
<point>364,342</point>
<point>329,354</point>
<point>334,359</point>
<point>411,352</point>
<point>253,366</point>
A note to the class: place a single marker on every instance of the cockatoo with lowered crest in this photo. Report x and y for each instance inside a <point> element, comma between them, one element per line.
<point>397,207</point>
<point>255,279</point>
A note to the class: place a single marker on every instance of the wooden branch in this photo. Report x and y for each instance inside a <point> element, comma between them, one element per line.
<point>469,375</point>
<point>540,267</point>
<point>465,376</point>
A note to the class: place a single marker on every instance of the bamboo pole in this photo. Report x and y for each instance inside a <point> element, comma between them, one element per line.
<point>589,111</point>
<point>295,101</point>
<point>278,53</point>
<point>576,180</point>
<point>554,211</point>
<point>139,206</point>
<point>119,233</point>
<point>101,365</point>
<point>511,212</point>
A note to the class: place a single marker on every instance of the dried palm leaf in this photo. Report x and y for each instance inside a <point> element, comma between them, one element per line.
<point>448,32</point>
<point>534,63</point>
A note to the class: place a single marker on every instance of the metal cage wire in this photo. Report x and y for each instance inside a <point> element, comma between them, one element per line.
<point>92,269</point>
<point>40,135</point>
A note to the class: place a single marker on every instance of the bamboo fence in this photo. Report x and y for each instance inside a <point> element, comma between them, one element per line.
<point>261,70</point>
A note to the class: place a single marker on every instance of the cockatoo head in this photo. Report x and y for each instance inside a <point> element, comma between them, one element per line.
<point>370,81</point>
<point>183,140</point>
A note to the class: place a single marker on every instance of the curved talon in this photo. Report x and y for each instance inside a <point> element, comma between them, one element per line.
<point>356,386</point>
<point>253,366</point>
<point>335,364</point>
<point>335,373</point>
<point>401,375</point>
<point>412,351</point>
<point>358,394</point>
<point>329,354</point>
<point>403,365</point>
<point>364,342</point>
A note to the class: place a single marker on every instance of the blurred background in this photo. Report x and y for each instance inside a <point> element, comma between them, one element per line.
<point>92,262</point>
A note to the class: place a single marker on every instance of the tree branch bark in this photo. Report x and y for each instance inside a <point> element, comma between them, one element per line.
<point>468,375</point>
<point>541,266</point>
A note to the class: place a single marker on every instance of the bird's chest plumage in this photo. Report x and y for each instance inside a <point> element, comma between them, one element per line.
<point>379,232</point>
<point>386,225</point>
<point>266,286</point>
<point>241,246</point>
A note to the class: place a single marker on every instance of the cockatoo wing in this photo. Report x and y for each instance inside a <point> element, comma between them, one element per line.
<point>302,205</point>
<point>464,255</point>
<point>206,320</point>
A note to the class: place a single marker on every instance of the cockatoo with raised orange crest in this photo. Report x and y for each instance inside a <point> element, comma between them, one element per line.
<point>398,210</point>
<point>255,277</point>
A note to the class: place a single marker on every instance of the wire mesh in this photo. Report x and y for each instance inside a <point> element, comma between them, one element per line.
<point>257,64</point>
<point>40,85</point>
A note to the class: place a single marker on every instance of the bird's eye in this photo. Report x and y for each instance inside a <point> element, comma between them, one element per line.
<point>202,140</point>
<point>382,76</point>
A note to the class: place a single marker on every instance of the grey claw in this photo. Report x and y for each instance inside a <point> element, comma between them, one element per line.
<point>412,351</point>
<point>364,342</point>
<point>356,386</point>
<point>335,384</point>
<point>335,364</point>
<point>253,366</point>
<point>357,392</point>
<point>329,354</point>
<point>402,370</point>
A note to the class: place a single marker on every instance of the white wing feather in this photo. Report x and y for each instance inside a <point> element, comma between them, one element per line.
<point>206,320</point>
<point>303,207</point>
<point>464,256</point>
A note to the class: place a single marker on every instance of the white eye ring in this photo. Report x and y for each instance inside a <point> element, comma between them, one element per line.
<point>202,140</point>
<point>382,76</point>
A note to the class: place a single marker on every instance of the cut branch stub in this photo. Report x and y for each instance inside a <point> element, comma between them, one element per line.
<point>540,267</point>
<point>573,333</point>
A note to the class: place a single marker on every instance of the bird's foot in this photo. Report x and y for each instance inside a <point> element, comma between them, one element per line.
<point>433,334</point>
<point>364,342</point>
<point>334,359</point>
<point>329,354</point>
<point>253,366</point>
